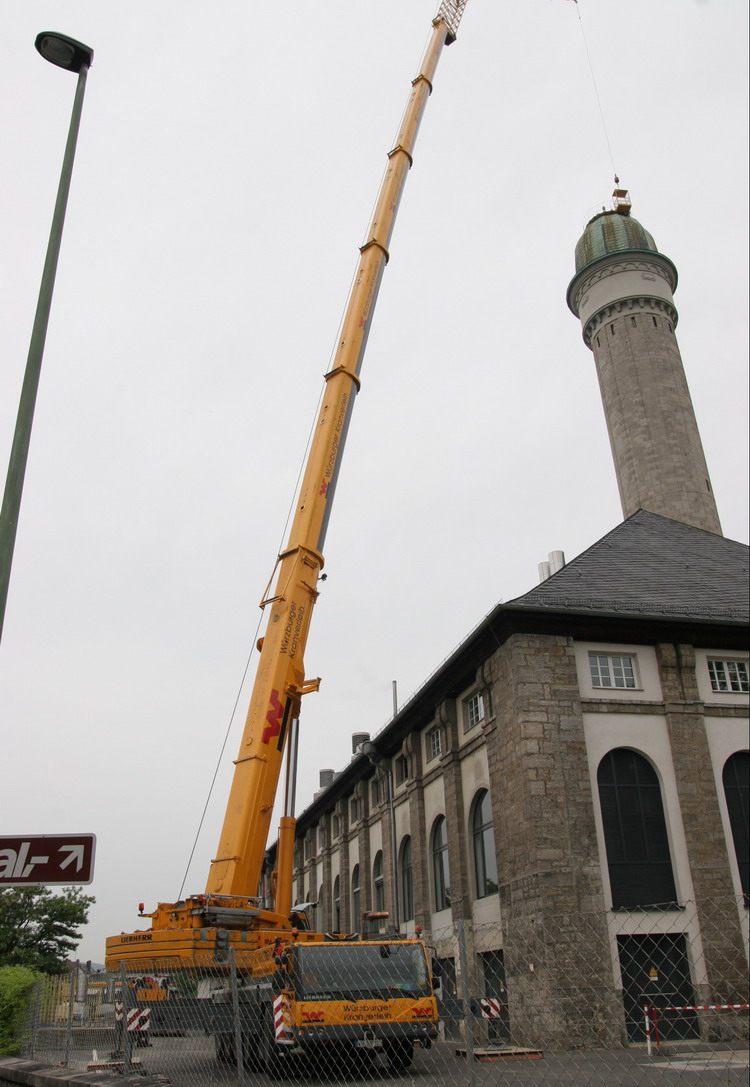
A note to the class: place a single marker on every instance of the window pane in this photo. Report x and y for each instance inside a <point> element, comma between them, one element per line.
<point>635,831</point>
<point>611,670</point>
<point>736,778</point>
<point>485,861</point>
<point>441,878</point>
<point>407,896</point>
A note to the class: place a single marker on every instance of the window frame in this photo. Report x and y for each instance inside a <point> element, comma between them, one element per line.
<point>734,779</point>
<point>441,879</point>
<point>336,919</point>
<point>726,664</point>
<point>378,883</point>
<point>483,847</point>
<point>636,835</point>
<point>474,717</point>
<point>356,897</point>
<point>406,878</point>
<point>401,769</point>
<point>594,659</point>
<point>433,750</point>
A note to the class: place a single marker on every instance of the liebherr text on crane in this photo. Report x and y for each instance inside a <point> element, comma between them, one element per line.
<point>302,991</point>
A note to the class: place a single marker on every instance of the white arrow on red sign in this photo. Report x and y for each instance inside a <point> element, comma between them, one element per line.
<point>46,859</point>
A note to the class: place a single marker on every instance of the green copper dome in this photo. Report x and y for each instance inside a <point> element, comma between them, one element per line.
<point>611,232</point>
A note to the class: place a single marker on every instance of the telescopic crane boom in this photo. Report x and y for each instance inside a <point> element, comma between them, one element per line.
<point>281,681</point>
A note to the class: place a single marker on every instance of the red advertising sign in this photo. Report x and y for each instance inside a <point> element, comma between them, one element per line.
<point>44,859</point>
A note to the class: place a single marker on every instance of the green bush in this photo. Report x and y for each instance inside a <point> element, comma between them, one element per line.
<point>16,984</point>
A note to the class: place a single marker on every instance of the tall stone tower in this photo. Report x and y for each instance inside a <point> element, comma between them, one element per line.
<point>622,293</point>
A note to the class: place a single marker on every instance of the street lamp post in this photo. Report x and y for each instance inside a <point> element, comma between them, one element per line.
<point>72,55</point>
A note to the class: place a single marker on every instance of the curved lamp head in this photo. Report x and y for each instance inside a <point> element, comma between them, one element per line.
<point>63,51</point>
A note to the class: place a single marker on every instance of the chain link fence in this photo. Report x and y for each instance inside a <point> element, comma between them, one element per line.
<point>617,999</point>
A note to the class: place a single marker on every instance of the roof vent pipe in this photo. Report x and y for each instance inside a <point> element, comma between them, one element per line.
<point>326,778</point>
<point>359,738</point>
<point>544,571</point>
<point>556,561</point>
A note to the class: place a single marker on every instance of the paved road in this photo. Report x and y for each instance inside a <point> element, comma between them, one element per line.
<point>190,1062</point>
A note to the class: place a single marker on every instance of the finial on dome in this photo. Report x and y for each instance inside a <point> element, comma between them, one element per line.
<point>621,201</point>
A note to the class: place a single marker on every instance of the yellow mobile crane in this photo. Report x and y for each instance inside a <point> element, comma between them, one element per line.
<point>274,951</point>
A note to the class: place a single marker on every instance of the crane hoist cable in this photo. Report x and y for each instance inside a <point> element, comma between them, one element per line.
<point>596,88</point>
<point>253,645</point>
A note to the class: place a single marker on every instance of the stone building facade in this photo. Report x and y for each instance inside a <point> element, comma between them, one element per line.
<point>632,659</point>
<point>568,792</point>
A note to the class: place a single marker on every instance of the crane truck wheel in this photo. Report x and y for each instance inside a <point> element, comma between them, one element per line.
<point>399,1054</point>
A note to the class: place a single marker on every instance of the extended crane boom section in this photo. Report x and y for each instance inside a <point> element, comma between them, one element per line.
<point>199,929</point>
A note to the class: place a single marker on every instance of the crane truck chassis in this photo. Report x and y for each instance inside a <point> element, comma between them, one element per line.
<point>372,995</point>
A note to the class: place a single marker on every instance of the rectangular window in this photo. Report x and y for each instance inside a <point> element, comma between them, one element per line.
<point>402,769</point>
<point>354,810</point>
<point>434,744</point>
<point>608,670</point>
<point>336,826</point>
<point>375,792</point>
<point>729,676</point>
<point>474,711</point>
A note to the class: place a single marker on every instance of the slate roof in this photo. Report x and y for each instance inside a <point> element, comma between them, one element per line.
<point>651,566</point>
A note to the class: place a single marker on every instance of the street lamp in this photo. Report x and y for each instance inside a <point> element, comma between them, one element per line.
<point>72,55</point>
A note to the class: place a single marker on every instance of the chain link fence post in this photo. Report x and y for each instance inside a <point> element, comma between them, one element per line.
<point>35,1005</point>
<point>466,1000</point>
<point>238,1046</point>
<point>127,1038</point>
<point>72,990</point>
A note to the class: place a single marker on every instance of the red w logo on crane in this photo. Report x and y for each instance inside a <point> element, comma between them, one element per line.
<point>273,728</point>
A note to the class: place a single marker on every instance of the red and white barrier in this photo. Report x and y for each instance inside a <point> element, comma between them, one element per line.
<point>282,1020</point>
<point>137,1018</point>
<point>491,1008</point>
<point>650,1013</point>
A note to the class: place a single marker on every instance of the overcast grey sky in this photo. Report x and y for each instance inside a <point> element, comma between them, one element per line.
<point>228,160</point>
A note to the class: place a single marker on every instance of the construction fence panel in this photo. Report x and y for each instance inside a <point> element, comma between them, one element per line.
<point>614,999</point>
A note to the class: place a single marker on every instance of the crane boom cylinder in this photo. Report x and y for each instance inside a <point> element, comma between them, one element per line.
<point>281,671</point>
<point>187,930</point>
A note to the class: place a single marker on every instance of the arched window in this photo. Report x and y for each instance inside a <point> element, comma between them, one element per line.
<point>440,872</point>
<point>378,883</point>
<point>483,837</point>
<point>355,898</point>
<point>635,832</point>
<point>736,778</point>
<point>337,905</point>
<point>405,873</point>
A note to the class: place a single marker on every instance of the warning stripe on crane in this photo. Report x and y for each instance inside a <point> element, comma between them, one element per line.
<point>282,1020</point>
<point>118,1012</point>
<point>491,1008</point>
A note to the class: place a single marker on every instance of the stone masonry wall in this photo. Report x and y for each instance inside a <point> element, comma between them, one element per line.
<point>704,832</point>
<point>652,427</point>
<point>551,901</point>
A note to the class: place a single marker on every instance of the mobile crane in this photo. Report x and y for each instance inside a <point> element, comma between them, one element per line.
<point>301,988</point>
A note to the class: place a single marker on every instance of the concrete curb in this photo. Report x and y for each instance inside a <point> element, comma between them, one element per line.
<point>33,1074</point>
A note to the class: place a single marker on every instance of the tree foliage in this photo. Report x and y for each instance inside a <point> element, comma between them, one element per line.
<point>39,928</point>
<point>15,990</point>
